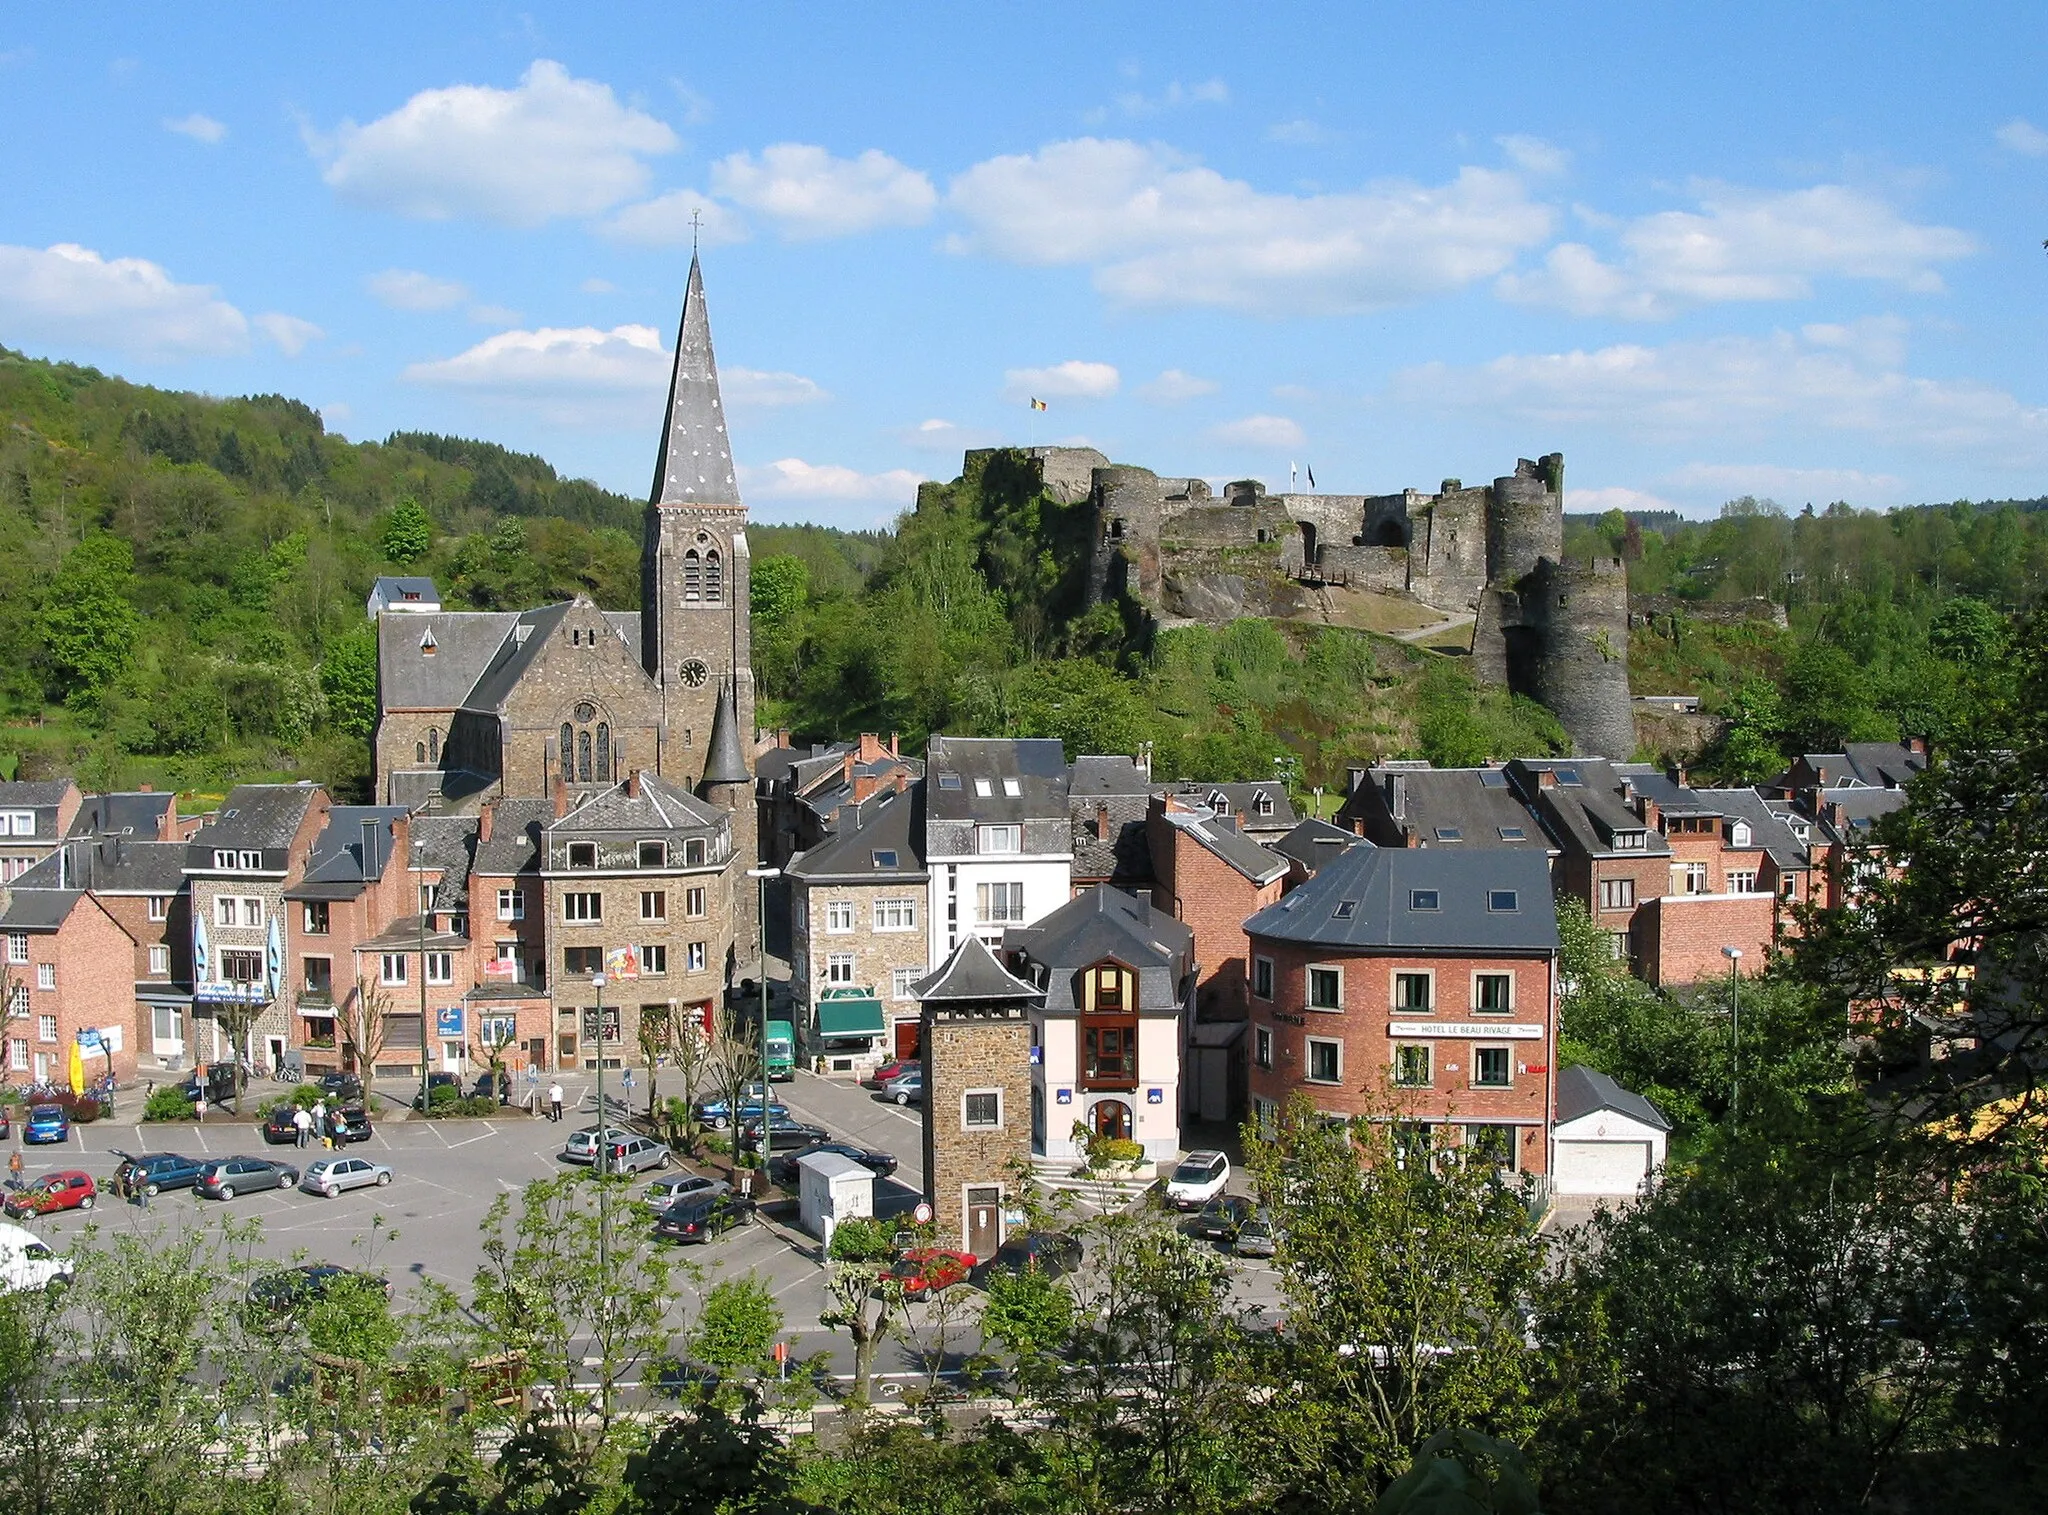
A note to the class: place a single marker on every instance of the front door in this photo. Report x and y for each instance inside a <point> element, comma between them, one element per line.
<point>274,1048</point>
<point>906,1038</point>
<point>1111,1119</point>
<point>451,1057</point>
<point>984,1221</point>
<point>537,1052</point>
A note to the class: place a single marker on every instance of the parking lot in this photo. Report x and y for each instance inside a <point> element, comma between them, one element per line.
<point>447,1173</point>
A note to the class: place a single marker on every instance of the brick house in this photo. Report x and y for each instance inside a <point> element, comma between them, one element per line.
<point>1834,799</point>
<point>1263,811</point>
<point>69,970</point>
<point>354,886</point>
<point>508,1004</point>
<point>1211,878</point>
<point>237,868</point>
<point>976,1048</point>
<point>858,903</point>
<point>1117,982</point>
<point>34,817</point>
<point>1107,798</point>
<point>997,837</point>
<point>801,792</point>
<point>1419,983</point>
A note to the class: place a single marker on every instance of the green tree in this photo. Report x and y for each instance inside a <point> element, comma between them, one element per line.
<point>348,678</point>
<point>709,1461</point>
<point>736,1327</point>
<point>408,532</point>
<point>89,622</point>
<point>867,1301</point>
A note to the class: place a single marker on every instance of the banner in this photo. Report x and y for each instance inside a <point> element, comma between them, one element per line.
<point>622,962</point>
<point>448,1021</point>
<point>501,967</point>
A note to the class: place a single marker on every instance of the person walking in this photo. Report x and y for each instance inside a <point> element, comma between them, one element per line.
<point>302,1126</point>
<point>319,1127</point>
<point>554,1103</point>
<point>14,1167</point>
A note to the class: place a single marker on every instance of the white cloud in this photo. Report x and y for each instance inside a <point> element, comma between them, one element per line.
<point>1786,384</point>
<point>745,387</point>
<point>1160,230</point>
<point>1794,485</point>
<point>809,193</point>
<point>68,294</point>
<point>1535,156</point>
<point>792,479</point>
<point>1741,246</point>
<point>1173,386</point>
<point>936,435</point>
<point>665,221</point>
<point>1300,132</point>
<point>2024,137</point>
<point>199,128</point>
<point>1173,97</point>
<point>598,287</point>
<point>1615,497</point>
<point>554,146</point>
<point>409,289</point>
<point>290,333</point>
<point>1071,380</point>
<point>574,376</point>
<point>1260,431</point>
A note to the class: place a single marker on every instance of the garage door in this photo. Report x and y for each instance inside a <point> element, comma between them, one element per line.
<point>1601,1167</point>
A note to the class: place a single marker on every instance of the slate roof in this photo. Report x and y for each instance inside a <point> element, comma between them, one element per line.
<point>1858,810</point>
<point>393,588</point>
<point>1038,765</point>
<point>724,760</point>
<point>1124,855</point>
<point>132,814</point>
<point>39,909</point>
<point>694,466</point>
<point>1584,808</point>
<point>336,867</point>
<point>1670,796</point>
<point>450,841</point>
<point>42,796</point>
<point>253,815</point>
<point>1224,841</point>
<point>969,975</point>
<point>515,654</point>
<point>1881,765</point>
<point>1103,923</point>
<point>660,806</point>
<point>464,641</point>
<point>1313,843</point>
<point>1581,1091</point>
<point>1112,774</point>
<point>1379,885</point>
<point>885,822</point>
<point>1766,824</point>
<point>515,844</point>
<point>111,865</point>
<point>1242,796</point>
<point>1469,807</point>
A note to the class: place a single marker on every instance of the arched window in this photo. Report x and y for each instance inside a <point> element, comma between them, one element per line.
<point>582,757</point>
<point>568,752</point>
<point>433,745</point>
<point>693,577</point>
<point>419,752</point>
<point>604,753</point>
<point>714,577</point>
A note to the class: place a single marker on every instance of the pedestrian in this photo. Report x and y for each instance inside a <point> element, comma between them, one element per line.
<point>302,1126</point>
<point>199,1107</point>
<point>14,1166</point>
<point>554,1102</point>
<point>330,1131</point>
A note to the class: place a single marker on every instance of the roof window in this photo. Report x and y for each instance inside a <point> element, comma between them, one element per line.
<point>1513,834</point>
<point>1569,776</point>
<point>1011,788</point>
<point>983,789</point>
<point>1492,778</point>
<point>949,781</point>
<point>1450,834</point>
<point>1422,899</point>
<point>1345,909</point>
<point>885,857</point>
<point>1501,900</point>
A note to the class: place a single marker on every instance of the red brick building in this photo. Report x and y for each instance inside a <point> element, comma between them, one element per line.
<point>1416,982</point>
<point>1212,877</point>
<point>354,884</point>
<point>67,971</point>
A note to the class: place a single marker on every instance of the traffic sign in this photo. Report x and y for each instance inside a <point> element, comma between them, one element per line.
<point>922,1214</point>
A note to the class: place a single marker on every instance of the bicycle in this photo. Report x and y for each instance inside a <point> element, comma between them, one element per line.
<point>285,1073</point>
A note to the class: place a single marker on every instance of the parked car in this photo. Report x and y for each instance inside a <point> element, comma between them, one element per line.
<point>26,1262</point>
<point>437,1081</point>
<point>154,1172</point>
<point>717,1113</point>
<point>625,1151</point>
<point>497,1086</point>
<point>342,1086</point>
<point>352,1123</point>
<point>698,1220</point>
<point>581,1147</point>
<point>782,1166</point>
<point>665,1192</point>
<point>6,1122</point>
<point>332,1175</point>
<point>1199,1179</point>
<point>218,1084</point>
<point>47,1123</point>
<point>784,1130</point>
<point>1053,1253</point>
<point>905,1088</point>
<point>1221,1217</point>
<point>923,1271</point>
<point>1256,1238</point>
<point>887,1071</point>
<point>66,1190</point>
<point>291,1290</point>
<point>225,1177</point>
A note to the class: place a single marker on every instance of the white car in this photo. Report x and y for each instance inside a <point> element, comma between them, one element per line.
<point>1199,1179</point>
<point>664,1192</point>
<point>331,1175</point>
<point>27,1263</point>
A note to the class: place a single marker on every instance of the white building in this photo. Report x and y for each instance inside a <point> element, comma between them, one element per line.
<point>998,846</point>
<point>409,596</point>
<point>1607,1140</point>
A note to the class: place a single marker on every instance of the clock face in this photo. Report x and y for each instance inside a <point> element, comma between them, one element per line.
<point>694,673</point>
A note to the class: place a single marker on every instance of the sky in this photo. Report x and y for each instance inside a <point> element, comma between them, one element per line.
<point>1704,251</point>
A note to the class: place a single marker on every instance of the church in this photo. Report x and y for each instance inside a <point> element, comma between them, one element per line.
<point>476,706</point>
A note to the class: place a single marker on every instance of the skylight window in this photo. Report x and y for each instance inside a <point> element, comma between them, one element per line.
<point>983,789</point>
<point>1422,899</point>
<point>1501,900</point>
<point>1012,788</point>
<point>949,781</point>
<point>1492,778</point>
<point>885,857</point>
<point>1513,834</point>
<point>1569,776</point>
<point>1345,909</point>
<point>1450,834</point>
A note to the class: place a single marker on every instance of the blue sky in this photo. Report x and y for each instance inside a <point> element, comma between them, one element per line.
<point>1793,251</point>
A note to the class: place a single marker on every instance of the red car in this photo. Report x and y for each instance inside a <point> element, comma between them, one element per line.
<point>887,1071</point>
<point>69,1190</point>
<point>923,1271</point>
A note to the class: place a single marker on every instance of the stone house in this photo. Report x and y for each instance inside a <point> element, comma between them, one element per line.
<point>356,883</point>
<point>858,903</point>
<point>68,981</point>
<point>34,817</point>
<point>642,885</point>
<point>1418,984</point>
<point>801,792</point>
<point>1107,798</point>
<point>976,1048</point>
<point>998,840</point>
<point>1116,979</point>
<point>237,868</point>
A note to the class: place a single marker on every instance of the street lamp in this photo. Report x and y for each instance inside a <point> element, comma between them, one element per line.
<point>419,869</point>
<point>1734,956</point>
<point>761,877</point>
<point>597,983</point>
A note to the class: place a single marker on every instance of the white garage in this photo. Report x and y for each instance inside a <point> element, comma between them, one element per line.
<point>1607,1139</point>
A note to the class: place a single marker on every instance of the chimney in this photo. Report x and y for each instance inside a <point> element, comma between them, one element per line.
<point>145,789</point>
<point>1546,778</point>
<point>895,746</point>
<point>782,736</point>
<point>902,781</point>
<point>561,796</point>
<point>633,784</point>
<point>1916,745</point>
<point>1143,760</point>
<point>1676,773</point>
<point>1358,825</point>
<point>1650,811</point>
<point>484,817</point>
<point>846,768</point>
<point>864,786</point>
<point>1397,795</point>
<point>1101,821</point>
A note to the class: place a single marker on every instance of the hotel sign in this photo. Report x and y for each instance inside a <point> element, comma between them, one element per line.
<point>1520,1031</point>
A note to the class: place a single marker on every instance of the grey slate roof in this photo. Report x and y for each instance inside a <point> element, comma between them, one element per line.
<point>1112,774</point>
<point>1670,796</point>
<point>1313,843</point>
<point>1584,808</point>
<point>970,975</point>
<point>133,814</point>
<point>394,587</point>
<point>253,815</point>
<point>42,796</point>
<point>1881,765</point>
<point>515,844</point>
<point>1581,1091</point>
<point>1037,764</point>
<point>1767,827</point>
<point>724,760</point>
<point>694,466</point>
<point>1379,885</point>
<point>1103,923</point>
<point>1227,843</point>
<point>1476,804</point>
<point>1244,796</point>
<point>450,840</point>
<point>464,642</point>
<point>661,806</point>
<point>885,822</point>
<point>1858,810</point>
<point>1124,855</point>
<point>336,867</point>
<point>514,655</point>
<point>110,865</point>
<point>39,909</point>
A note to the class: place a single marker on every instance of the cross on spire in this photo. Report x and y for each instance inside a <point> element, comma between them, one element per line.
<point>696,221</point>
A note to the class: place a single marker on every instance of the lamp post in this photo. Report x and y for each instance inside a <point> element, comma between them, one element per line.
<point>1734,956</point>
<point>604,1140</point>
<point>761,877</point>
<point>419,869</point>
<point>597,983</point>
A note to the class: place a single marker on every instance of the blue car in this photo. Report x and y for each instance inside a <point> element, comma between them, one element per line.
<point>47,1123</point>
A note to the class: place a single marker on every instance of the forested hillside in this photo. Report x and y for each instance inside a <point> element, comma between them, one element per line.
<point>186,608</point>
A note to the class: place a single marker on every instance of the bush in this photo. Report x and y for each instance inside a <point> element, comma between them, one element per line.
<point>82,1108</point>
<point>861,1239</point>
<point>1108,1151</point>
<point>480,1104</point>
<point>168,1104</point>
<point>444,1099</point>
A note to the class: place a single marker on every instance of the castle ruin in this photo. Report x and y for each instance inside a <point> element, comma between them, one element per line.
<point>1552,630</point>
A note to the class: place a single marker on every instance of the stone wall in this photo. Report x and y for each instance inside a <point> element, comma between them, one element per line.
<point>963,1052</point>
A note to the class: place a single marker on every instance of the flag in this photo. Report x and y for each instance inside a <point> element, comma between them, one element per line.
<point>1037,404</point>
<point>1311,476</point>
<point>77,1069</point>
<point>1292,470</point>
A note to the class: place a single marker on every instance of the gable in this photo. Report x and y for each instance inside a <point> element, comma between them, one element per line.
<point>578,659</point>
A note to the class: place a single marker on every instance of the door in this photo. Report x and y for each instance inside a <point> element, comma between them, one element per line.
<point>906,1038</point>
<point>1601,1167</point>
<point>1111,1118</point>
<point>984,1221</point>
<point>537,1052</point>
<point>451,1057</point>
<point>273,1048</point>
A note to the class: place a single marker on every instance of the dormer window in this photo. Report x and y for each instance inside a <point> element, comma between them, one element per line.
<point>654,854</point>
<point>428,646</point>
<point>1630,841</point>
<point>583,854</point>
<point>1262,803</point>
<point>1739,834</point>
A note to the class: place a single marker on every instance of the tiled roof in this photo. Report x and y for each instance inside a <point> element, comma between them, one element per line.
<point>1113,774</point>
<point>883,826</point>
<point>1421,899</point>
<point>1581,1091</point>
<point>513,656</point>
<point>1103,923</point>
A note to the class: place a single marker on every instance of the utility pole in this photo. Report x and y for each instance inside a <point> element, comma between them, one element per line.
<point>761,877</point>
<point>1734,956</point>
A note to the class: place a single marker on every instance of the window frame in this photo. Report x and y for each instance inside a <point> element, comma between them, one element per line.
<point>46,1027</point>
<point>1735,886</point>
<point>657,901</point>
<point>1618,893</point>
<point>896,913</point>
<point>46,977</point>
<point>1482,976</point>
<point>17,948</point>
<point>654,959</point>
<point>695,956</point>
<point>1402,1052</point>
<point>159,907</point>
<point>588,901</point>
<point>1262,977</point>
<point>694,908</point>
<point>394,969</point>
<point>1506,1055</point>
<point>1262,1046</point>
<point>988,837</point>
<point>1311,1048</point>
<point>511,904</point>
<point>159,957</point>
<point>1311,978</point>
<point>440,969</point>
<point>967,1123</point>
<point>839,969</point>
<point>839,918</point>
<point>659,853</point>
<point>1427,977</point>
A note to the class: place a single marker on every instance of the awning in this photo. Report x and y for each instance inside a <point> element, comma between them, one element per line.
<point>856,1015</point>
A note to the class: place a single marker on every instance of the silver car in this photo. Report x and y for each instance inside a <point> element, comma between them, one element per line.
<point>664,1192</point>
<point>629,1153</point>
<point>905,1088</point>
<point>331,1175</point>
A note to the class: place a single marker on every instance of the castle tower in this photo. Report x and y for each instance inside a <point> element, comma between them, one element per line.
<point>694,631</point>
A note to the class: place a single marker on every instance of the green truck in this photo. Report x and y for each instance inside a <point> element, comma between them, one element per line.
<point>781,1050</point>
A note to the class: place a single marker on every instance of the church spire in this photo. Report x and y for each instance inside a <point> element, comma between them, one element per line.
<point>694,466</point>
<point>724,761</point>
